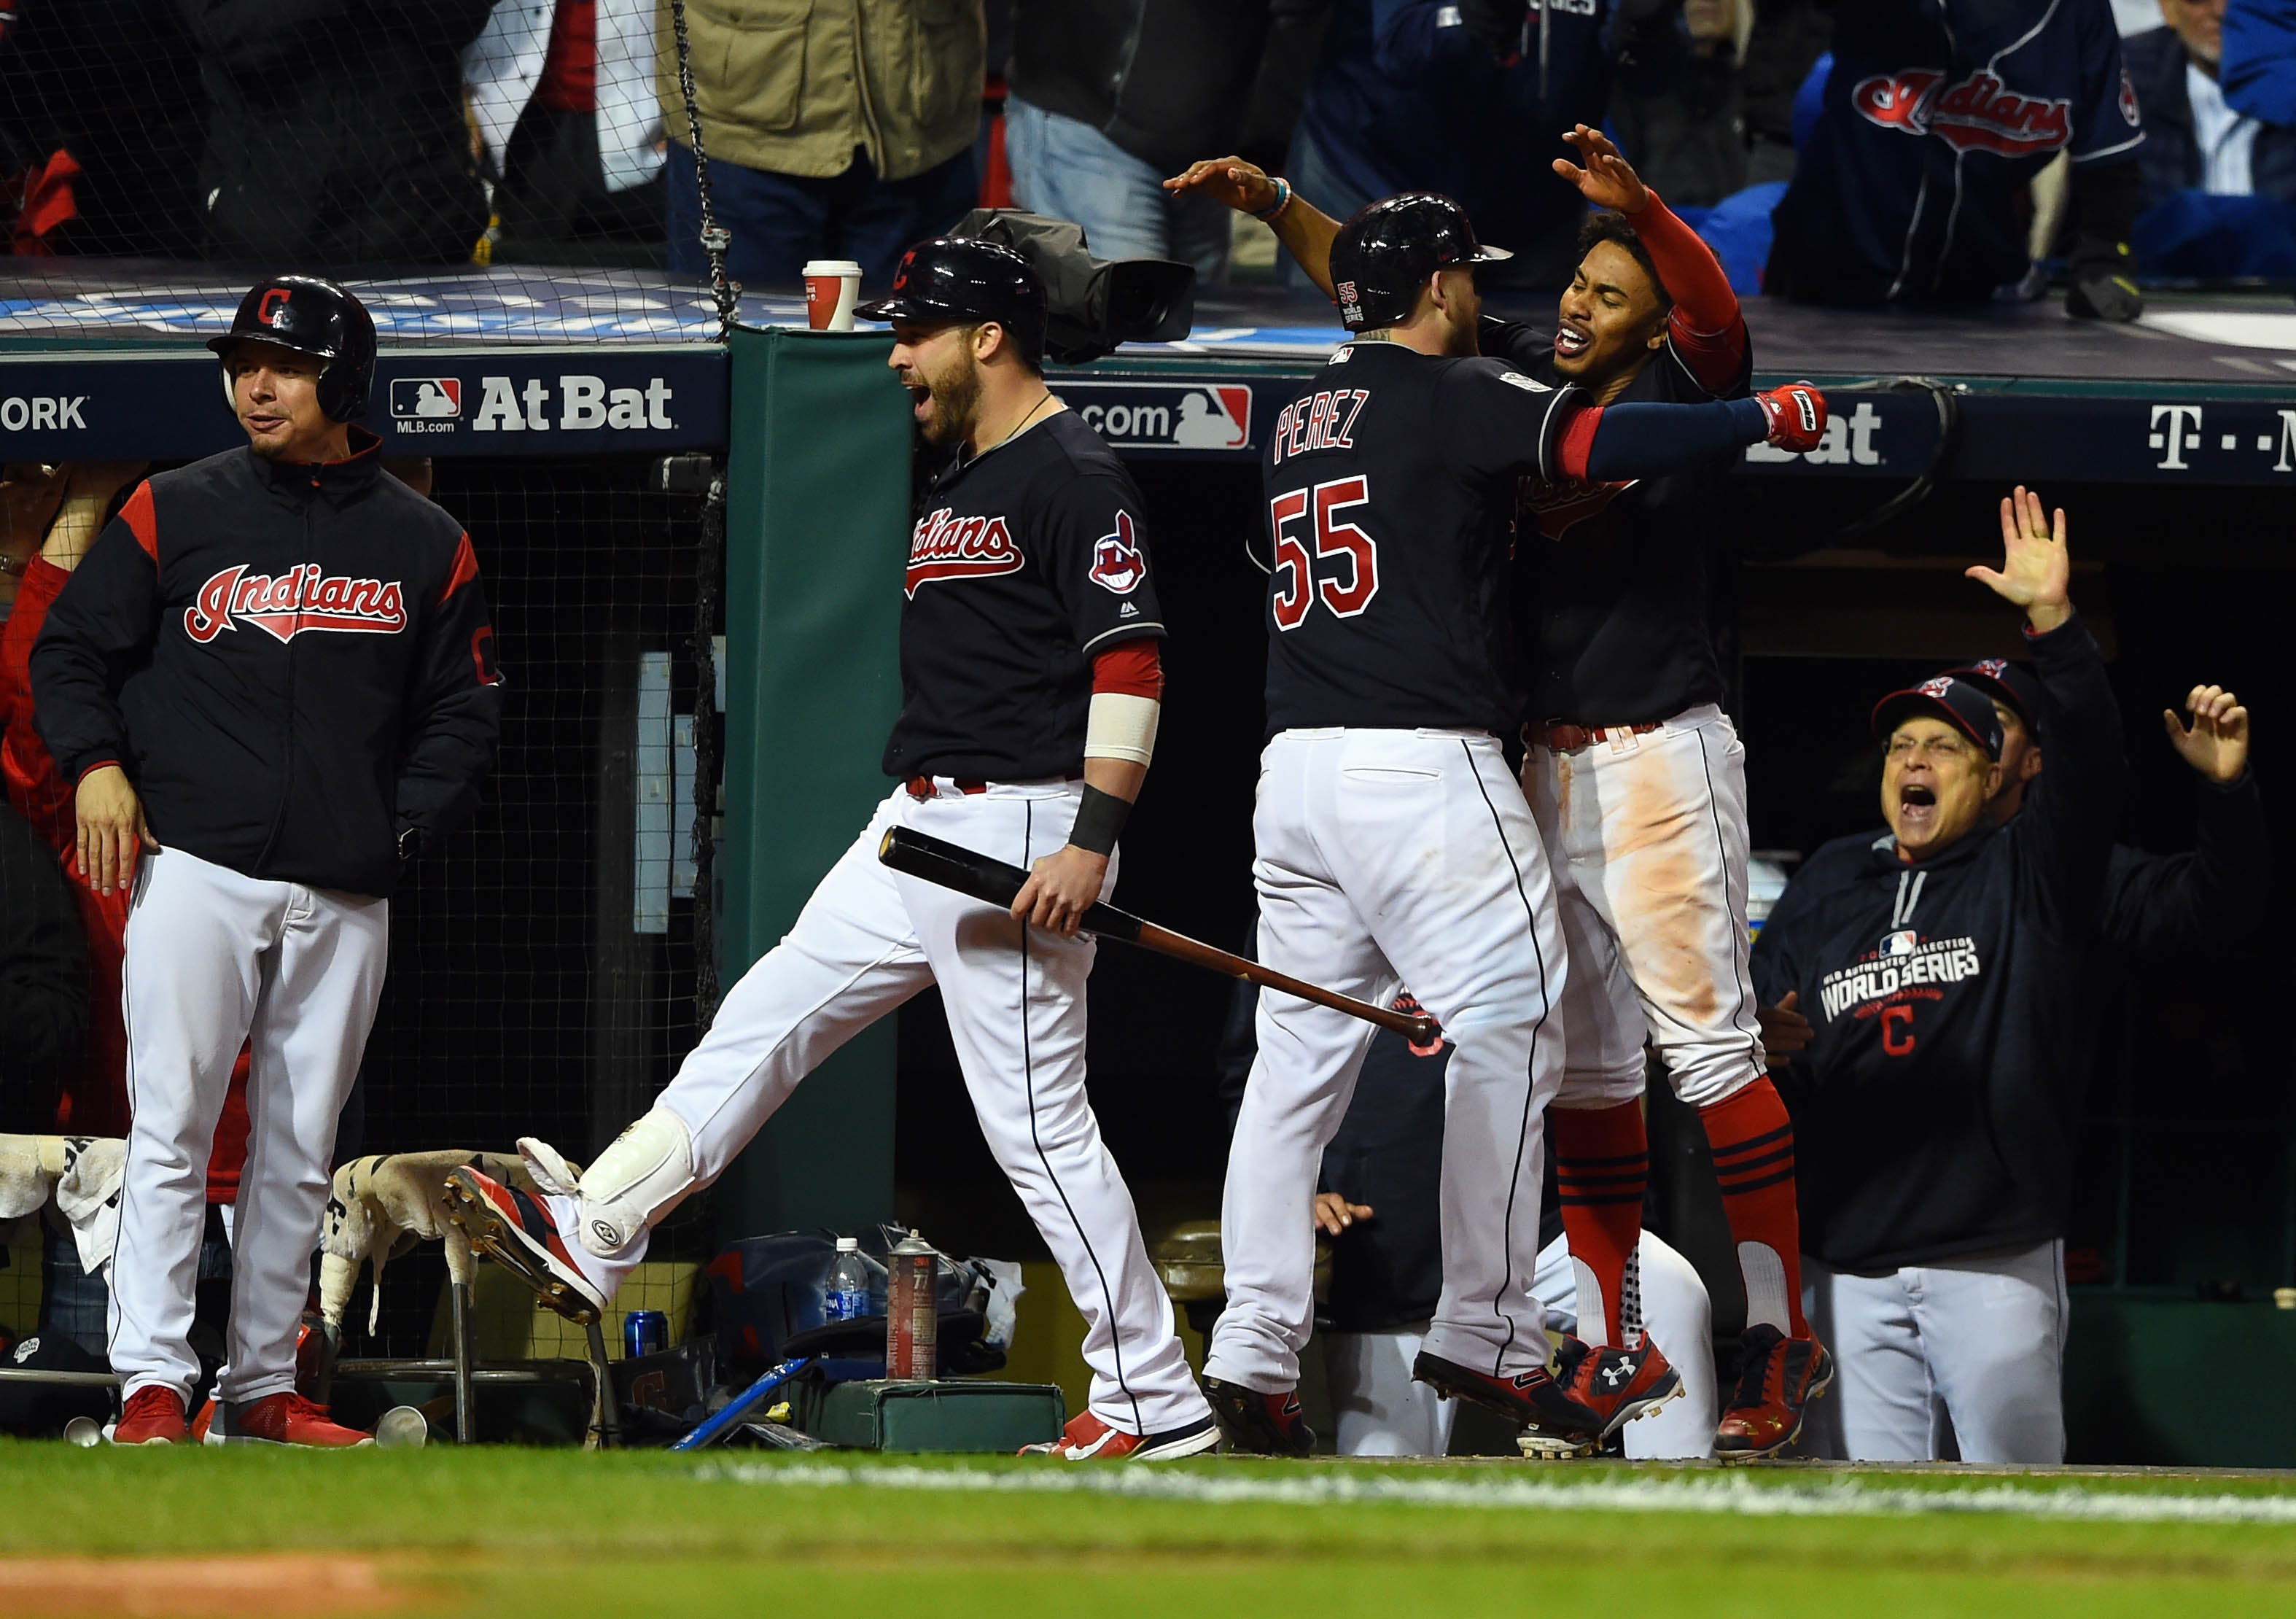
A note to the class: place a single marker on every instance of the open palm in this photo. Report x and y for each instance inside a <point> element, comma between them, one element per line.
<point>2036,571</point>
<point>1607,180</point>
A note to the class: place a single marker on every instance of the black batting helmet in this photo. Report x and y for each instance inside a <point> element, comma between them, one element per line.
<point>313,316</point>
<point>1385,255</point>
<point>954,278</point>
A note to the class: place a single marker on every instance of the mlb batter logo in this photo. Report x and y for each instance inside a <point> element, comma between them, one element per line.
<point>426,398</point>
<point>1899,943</point>
<point>1117,564</point>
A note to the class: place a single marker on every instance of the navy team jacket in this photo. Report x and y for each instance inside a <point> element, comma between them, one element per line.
<point>1936,1108</point>
<point>293,664</point>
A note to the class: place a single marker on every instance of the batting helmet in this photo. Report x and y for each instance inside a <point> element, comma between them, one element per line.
<point>952,278</point>
<point>1385,255</point>
<point>313,317</point>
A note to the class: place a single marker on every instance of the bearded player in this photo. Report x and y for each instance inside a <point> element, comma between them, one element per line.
<point>1031,682</point>
<point>1638,782</point>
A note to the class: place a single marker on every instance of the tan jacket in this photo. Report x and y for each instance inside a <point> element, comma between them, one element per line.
<point>795,86</point>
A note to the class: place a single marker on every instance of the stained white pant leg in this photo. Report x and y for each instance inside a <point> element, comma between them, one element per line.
<point>322,984</point>
<point>195,934</point>
<point>1882,1389</point>
<point>1301,1078</point>
<point>1376,1407</point>
<point>851,957</point>
<point>1429,837</point>
<point>1994,1325</point>
<point>1659,843</point>
<point>1680,1318</point>
<point>1015,1000</point>
<point>1603,1027</point>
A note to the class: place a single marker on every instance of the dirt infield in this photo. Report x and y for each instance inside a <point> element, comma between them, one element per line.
<point>51,1588</point>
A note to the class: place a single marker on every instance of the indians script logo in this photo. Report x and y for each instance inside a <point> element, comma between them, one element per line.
<point>300,599</point>
<point>1979,114</point>
<point>942,546</point>
<point>1562,505</point>
<point>1117,563</point>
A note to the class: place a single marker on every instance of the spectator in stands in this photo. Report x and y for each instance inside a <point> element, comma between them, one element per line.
<point>562,94</point>
<point>1915,184</point>
<point>1788,37</point>
<point>1689,145</point>
<point>1942,964</point>
<point>1109,96</point>
<point>43,979</point>
<point>336,132</point>
<point>2193,139</point>
<point>1471,100</point>
<point>843,130</point>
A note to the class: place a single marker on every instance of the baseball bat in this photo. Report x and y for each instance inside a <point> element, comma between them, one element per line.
<point>994,883</point>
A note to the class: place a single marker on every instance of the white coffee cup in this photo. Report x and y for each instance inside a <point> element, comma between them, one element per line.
<point>832,286</point>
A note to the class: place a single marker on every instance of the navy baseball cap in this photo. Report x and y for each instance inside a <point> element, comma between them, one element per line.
<point>2006,684</point>
<point>1962,704</point>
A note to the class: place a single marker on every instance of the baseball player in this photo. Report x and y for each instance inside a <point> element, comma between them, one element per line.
<point>1393,841</point>
<point>272,680</point>
<point>1637,779</point>
<point>1030,685</point>
<point>1941,964</point>
<point>1937,118</point>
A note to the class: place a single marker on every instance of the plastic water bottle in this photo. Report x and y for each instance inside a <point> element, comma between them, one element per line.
<point>849,1282</point>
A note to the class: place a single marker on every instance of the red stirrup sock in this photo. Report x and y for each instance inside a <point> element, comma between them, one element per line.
<point>1754,1161</point>
<point>1602,1165</point>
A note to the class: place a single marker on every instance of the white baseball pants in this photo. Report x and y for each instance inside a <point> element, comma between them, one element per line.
<point>868,940</point>
<point>1648,837</point>
<point>217,960</point>
<point>1679,1316</point>
<point>1387,857</point>
<point>1960,1358</point>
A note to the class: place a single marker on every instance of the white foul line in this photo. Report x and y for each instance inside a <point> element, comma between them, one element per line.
<point>1722,1495</point>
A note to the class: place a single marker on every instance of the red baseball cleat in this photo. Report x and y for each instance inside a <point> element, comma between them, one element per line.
<point>281,1419</point>
<point>1087,1438</point>
<point>153,1416</point>
<point>1796,414</point>
<point>515,1231</point>
<point>1778,1378</point>
<point>1620,1384</point>
<point>1259,1425</point>
<point>205,1420</point>
<point>1553,1423</point>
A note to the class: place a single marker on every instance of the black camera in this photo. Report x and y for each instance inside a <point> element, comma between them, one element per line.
<point>1091,304</point>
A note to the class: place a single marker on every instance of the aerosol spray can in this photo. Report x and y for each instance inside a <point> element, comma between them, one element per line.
<point>912,1312</point>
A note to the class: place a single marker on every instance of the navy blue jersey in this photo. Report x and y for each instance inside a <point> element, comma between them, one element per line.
<point>1390,482</point>
<point>1612,579</point>
<point>1936,1108</point>
<point>1938,115</point>
<point>1027,560</point>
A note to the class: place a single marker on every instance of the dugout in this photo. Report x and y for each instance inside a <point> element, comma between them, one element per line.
<point>546,966</point>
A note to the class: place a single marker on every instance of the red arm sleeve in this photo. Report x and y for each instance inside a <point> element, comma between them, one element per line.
<point>1708,327</point>
<point>1134,668</point>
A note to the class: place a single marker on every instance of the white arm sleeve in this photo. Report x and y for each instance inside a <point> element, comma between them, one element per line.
<point>1119,726</point>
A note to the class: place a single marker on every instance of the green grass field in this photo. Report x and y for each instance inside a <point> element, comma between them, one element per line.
<point>508,1533</point>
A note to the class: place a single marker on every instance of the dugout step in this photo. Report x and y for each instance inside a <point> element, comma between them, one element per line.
<point>953,1415</point>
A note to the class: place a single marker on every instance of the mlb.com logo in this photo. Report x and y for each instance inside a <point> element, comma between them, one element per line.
<point>1166,416</point>
<point>426,404</point>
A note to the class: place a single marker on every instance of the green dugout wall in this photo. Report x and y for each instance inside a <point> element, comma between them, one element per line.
<point>817,497</point>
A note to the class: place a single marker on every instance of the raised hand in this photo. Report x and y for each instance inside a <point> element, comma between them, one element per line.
<point>1608,180</point>
<point>1243,187</point>
<point>2216,744</point>
<point>2036,571</point>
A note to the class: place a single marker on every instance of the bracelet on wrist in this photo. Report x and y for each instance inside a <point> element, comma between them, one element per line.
<point>1267,216</point>
<point>1099,819</point>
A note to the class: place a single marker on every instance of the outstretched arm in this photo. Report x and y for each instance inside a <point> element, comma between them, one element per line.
<point>1614,443</point>
<point>1708,327</point>
<point>1305,231</point>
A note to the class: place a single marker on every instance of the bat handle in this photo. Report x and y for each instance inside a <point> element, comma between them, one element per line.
<point>1425,1030</point>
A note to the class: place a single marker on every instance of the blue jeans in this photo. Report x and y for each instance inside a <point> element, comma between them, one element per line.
<point>79,1305</point>
<point>778,221</point>
<point>1068,170</point>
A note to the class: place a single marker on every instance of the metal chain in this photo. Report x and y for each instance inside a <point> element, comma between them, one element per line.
<point>715,237</point>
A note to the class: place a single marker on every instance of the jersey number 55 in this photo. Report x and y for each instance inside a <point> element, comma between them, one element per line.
<point>1297,588</point>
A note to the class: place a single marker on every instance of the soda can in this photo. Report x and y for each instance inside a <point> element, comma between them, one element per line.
<point>912,1312</point>
<point>644,1332</point>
